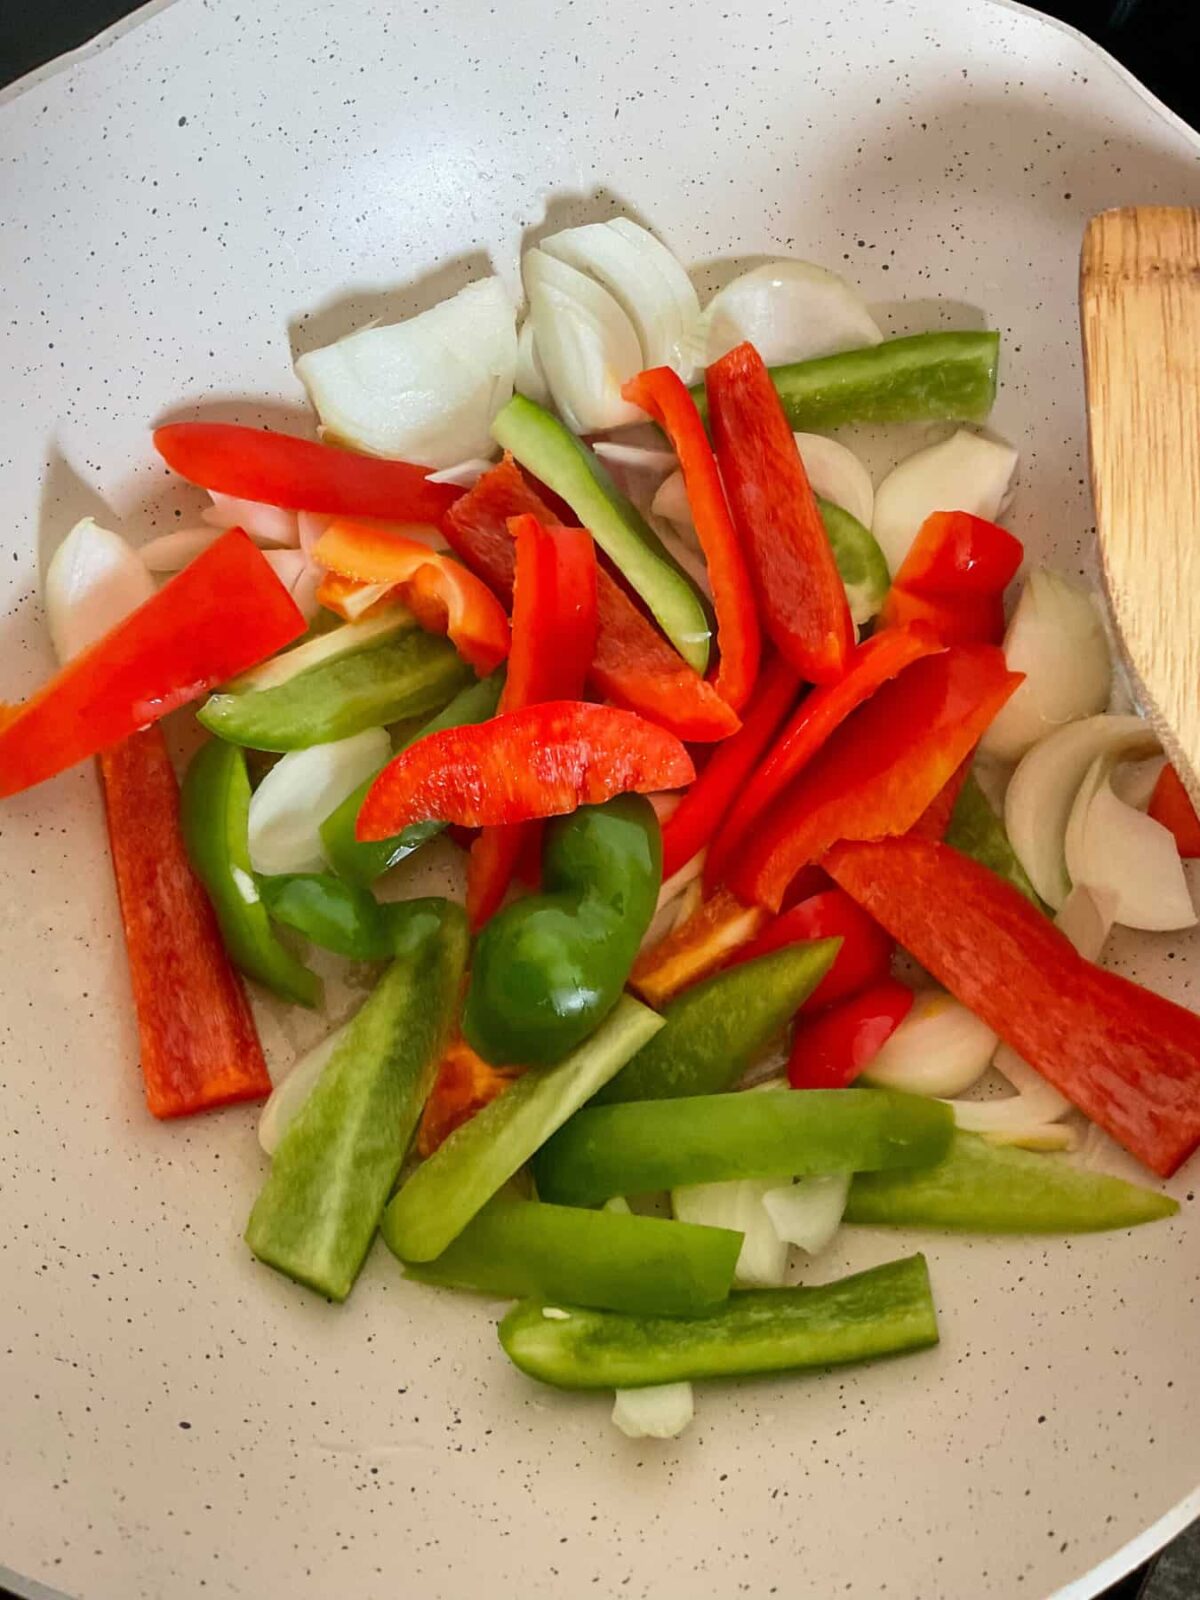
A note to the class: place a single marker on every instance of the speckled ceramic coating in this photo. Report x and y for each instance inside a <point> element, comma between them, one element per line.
<point>182,209</point>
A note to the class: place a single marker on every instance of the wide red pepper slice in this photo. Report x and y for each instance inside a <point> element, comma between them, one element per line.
<point>935,819</point>
<point>300,474</point>
<point>957,619</point>
<point>698,816</point>
<point>801,598</point>
<point>864,958</point>
<point>1170,805</point>
<point>543,761</point>
<point>199,1045</point>
<point>880,769</point>
<point>957,553</point>
<point>823,710</point>
<point>829,1051</point>
<point>442,595</point>
<point>553,640</point>
<point>634,666</point>
<point>664,396</point>
<point>224,613</point>
<point>1129,1059</point>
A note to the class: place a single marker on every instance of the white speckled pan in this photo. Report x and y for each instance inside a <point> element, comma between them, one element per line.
<point>222,183</point>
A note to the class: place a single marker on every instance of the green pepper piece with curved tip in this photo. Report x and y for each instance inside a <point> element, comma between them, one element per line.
<point>861,564</point>
<point>976,831</point>
<point>549,969</point>
<point>338,916</point>
<point>215,807</point>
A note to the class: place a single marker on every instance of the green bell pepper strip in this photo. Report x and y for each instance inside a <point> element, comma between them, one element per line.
<point>520,1249</point>
<point>214,813</point>
<point>549,968</point>
<point>927,377</point>
<point>985,1188</point>
<point>463,1174</point>
<point>715,1029</point>
<point>338,916</point>
<point>663,1144</point>
<point>338,1160</point>
<point>976,831</point>
<point>861,564</point>
<point>407,673</point>
<point>552,453</point>
<point>885,1311</point>
<point>362,863</point>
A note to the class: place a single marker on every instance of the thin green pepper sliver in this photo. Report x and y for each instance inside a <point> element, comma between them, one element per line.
<point>882,1312</point>
<point>338,916</point>
<point>927,377</point>
<point>549,968</point>
<point>214,813</point>
<point>518,1249</point>
<point>408,673</point>
<point>861,564</point>
<point>662,1144</point>
<point>361,863</point>
<point>552,453</point>
<point>976,831</point>
<point>461,1176</point>
<point>984,1188</point>
<point>715,1029</point>
<point>338,1160</point>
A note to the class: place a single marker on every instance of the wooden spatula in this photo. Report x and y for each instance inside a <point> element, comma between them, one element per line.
<point>1139,294</point>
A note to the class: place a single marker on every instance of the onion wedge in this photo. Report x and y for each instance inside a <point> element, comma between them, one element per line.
<point>789,311</point>
<point>966,472</point>
<point>586,343</point>
<point>1120,852</point>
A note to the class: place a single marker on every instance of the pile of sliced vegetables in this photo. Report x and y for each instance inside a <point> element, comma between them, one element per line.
<point>723,728</point>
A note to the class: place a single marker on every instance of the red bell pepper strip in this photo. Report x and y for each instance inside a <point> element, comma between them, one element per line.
<point>698,947</point>
<point>198,1041</point>
<point>465,1083</point>
<point>299,474</point>
<point>956,553</point>
<point>881,768</point>
<point>801,598</point>
<point>1129,1059</point>
<point>442,595</point>
<point>554,638</point>
<point>224,613</point>
<point>663,394</point>
<point>962,619</point>
<point>698,815</point>
<point>823,710</point>
<point>634,666</point>
<point>935,819</point>
<point>831,1050</point>
<point>1170,805</point>
<point>544,761</point>
<point>864,958</point>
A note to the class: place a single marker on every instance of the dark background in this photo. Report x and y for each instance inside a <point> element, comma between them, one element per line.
<point>1149,36</point>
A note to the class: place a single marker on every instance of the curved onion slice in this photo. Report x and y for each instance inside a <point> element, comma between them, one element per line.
<point>738,1204</point>
<point>808,1213</point>
<point>671,501</point>
<point>265,524</point>
<point>658,1411</point>
<point>587,345</point>
<point>837,474</point>
<point>1056,638</point>
<point>94,580</point>
<point>530,379</point>
<point>463,474</point>
<point>425,389</point>
<point>171,552</point>
<point>790,311</point>
<point>966,472</point>
<point>628,261</point>
<point>290,1093</point>
<point>305,591</point>
<point>1120,852</point>
<point>940,1048</point>
<point>1037,806</point>
<point>301,789</point>
<point>287,565</point>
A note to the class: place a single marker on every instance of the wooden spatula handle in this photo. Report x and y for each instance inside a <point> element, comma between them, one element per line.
<point>1139,298</point>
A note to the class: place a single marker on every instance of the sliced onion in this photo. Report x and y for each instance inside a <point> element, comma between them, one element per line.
<point>1120,852</point>
<point>301,789</point>
<point>658,1411</point>
<point>305,591</point>
<point>678,881</point>
<point>1086,919</point>
<point>290,1093</point>
<point>464,474</point>
<point>808,1213</point>
<point>671,501</point>
<point>287,565</point>
<point>1056,638</point>
<point>837,474</point>
<point>171,552</point>
<point>940,1048</point>
<point>94,580</point>
<point>635,457</point>
<point>265,524</point>
<point>1037,806</point>
<point>789,311</point>
<point>311,526</point>
<point>1134,782</point>
<point>644,279</point>
<point>426,389</point>
<point>738,1204</point>
<point>530,376</point>
<point>686,551</point>
<point>587,345</point>
<point>966,472</point>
